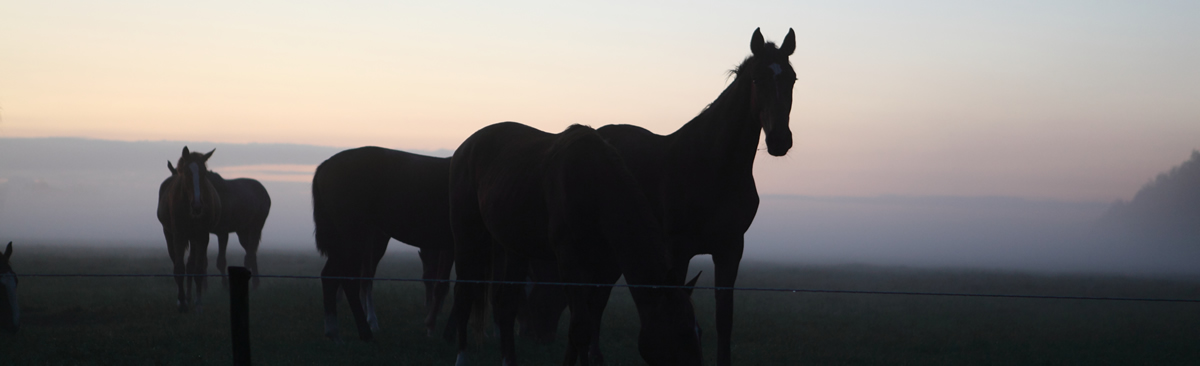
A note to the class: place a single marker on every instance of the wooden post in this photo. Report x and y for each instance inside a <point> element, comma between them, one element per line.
<point>239,314</point>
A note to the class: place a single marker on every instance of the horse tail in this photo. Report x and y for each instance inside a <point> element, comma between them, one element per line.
<point>324,225</point>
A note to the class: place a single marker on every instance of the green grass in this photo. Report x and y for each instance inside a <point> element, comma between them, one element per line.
<point>132,321</point>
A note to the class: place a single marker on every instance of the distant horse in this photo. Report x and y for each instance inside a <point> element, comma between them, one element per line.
<point>362,198</point>
<point>10,309</point>
<point>517,193</point>
<point>244,208</point>
<point>189,208</point>
<point>700,178</point>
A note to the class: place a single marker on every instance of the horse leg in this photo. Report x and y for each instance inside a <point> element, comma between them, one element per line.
<point>249,242</point>
<point>222,242</point>
<point>199,268</point>
<point>472,260</point>
<point>726,265</point>
<point>175,247</point>
<point>506,302</point>
<point>579,332</point>
<point>435,265</point>
<point>546,303</point>
<point>597,301</point>
<point>329,293</point>
<point>378,247</point>
<point>353,296</point>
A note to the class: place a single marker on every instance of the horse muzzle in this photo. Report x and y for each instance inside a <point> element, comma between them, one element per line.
<point>779,142</point>
<point>196,211</point>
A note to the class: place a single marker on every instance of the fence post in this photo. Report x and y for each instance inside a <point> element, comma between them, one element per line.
<point>239,314</point>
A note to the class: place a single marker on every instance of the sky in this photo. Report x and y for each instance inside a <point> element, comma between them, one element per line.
<point>1056,100</point>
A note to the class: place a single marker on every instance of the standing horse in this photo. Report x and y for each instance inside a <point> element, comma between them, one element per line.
<point>189,208</point>
<point>362,198</point>
<point>517,193</point>
<point>10,309</point>
<point>244,208</point>
<point>700,178</point>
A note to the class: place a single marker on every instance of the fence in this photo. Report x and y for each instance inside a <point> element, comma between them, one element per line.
<point>239,299</point>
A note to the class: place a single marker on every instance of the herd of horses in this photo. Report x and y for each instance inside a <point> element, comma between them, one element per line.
<point>513,203</point>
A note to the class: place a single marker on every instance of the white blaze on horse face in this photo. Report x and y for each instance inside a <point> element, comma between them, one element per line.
<point>9,282</point>
<point>195,182</point>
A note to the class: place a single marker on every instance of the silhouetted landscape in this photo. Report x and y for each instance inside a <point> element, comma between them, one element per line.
<point>1165,211</point>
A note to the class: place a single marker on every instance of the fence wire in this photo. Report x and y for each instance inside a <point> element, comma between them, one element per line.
<point>755,289</point>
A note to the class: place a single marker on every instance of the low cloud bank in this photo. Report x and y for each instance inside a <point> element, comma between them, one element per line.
<point>105,192</point>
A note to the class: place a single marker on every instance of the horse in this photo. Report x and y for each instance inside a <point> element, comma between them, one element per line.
<point>244,208</point>
<point>518,193</point>
<point>189,208</point>
<point>700,178</point>
<point>362,198</point>
<point>10,309</point>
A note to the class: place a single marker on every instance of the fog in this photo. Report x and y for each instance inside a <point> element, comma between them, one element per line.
<point>63,191</point>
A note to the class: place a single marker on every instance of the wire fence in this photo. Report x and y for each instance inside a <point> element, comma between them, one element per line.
<point>625,285</point>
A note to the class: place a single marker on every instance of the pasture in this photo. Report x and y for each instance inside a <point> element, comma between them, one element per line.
<point>133,321</point>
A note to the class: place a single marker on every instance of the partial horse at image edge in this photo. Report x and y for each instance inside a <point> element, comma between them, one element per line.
<point>10,308</point>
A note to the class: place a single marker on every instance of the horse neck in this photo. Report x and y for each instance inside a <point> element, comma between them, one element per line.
<point>725,134</point>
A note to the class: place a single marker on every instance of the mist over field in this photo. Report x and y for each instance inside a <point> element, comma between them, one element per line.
<point>66,191</point>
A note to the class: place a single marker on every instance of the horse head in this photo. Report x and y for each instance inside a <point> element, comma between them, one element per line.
<point>671,335</point>
<point>772,79</point>
<point>193,173</point>
<point>10,310</point>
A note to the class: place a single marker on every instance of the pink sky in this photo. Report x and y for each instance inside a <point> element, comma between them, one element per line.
<point>1056,100</point>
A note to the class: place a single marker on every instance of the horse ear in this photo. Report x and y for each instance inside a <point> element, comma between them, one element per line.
<point>8,251</point>
<point>789,43</point>
<point>185,150</point>
<point>170,167</point>
<point>209,154</point>
<point>756,42</point>
<point>691,285</point>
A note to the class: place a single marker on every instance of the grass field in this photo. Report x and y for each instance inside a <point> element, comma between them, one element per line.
<point>132,321</point>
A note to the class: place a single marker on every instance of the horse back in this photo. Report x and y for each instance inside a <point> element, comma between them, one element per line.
<point>402,194</point>
<point>245,203</point>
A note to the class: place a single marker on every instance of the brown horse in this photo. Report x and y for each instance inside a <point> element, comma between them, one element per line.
<point>244,208</point>
<point>10,309</point>
<point>700,178</point>
<point>189,208</point>
<point>364,197</point>
<point>517,193</point>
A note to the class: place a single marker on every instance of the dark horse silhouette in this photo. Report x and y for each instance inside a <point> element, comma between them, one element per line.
<point>518,193</point>
<point>189,208</point>
<point>700,178</point>
<point>244,208</point>
<point>362,198</point>
<point>10,309</point>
